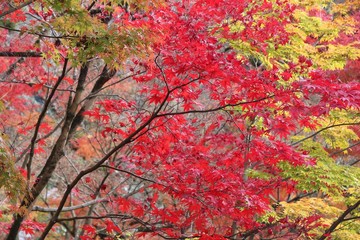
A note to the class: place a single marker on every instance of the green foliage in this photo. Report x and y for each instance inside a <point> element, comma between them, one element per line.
<point>7,23</point>
<point>85,36</point>
<point>339,137</point>
<point>339,183</point>
<point>252,173</point>
<point>326,176</point>
<point>10,178</point>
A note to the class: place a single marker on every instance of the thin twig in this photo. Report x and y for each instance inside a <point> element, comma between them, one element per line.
<point>214,109</point>
<point>20,54</point>
<point>37,140</point>
<point>344,149</point>
<point>71,208</point>
<point>39,34</point>
<point>41,116</point>
<point>130,173</point>
<point>323,129</point>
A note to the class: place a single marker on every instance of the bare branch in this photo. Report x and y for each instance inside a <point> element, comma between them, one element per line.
<point>95,217</point>
<point>162,72</point>
<point>41,116</point>
<point>323,129</point>
<point>130,173</point>
<point>300,196</point>
<point>67,209</point>
<point>214,109</point>
<point>354,162</point>
<point>20,54</point>
<point>114,83</point>
<point>105,76</point>
<point>351,218</point>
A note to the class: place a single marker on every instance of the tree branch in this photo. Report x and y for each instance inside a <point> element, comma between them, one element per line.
<point>340,219</point>
<point>344,149</point>
<point>351,218</point>
<point>41,116</point>
<point>130,173</point>
<point>105,76</point>
<point>21,54</point>
<point>215,109</point>
<point>71,208</point>
<point>95,217</point>
<point>300,196</point>
<point>38,34</point>
<point>22,154</point>
<point>354,162</point>
<point>126,141</point>
<point>323,129</point>
<point>54,157</point>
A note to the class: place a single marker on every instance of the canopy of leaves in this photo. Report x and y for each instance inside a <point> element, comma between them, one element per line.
<point>180,119</point>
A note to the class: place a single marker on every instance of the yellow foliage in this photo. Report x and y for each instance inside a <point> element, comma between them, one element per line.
<point>309,206</point>
<point>339,137</point>
<point>312,4</point>
<point>328,211</point>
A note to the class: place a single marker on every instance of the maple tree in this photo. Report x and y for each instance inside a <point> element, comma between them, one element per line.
<point>179,119</point>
